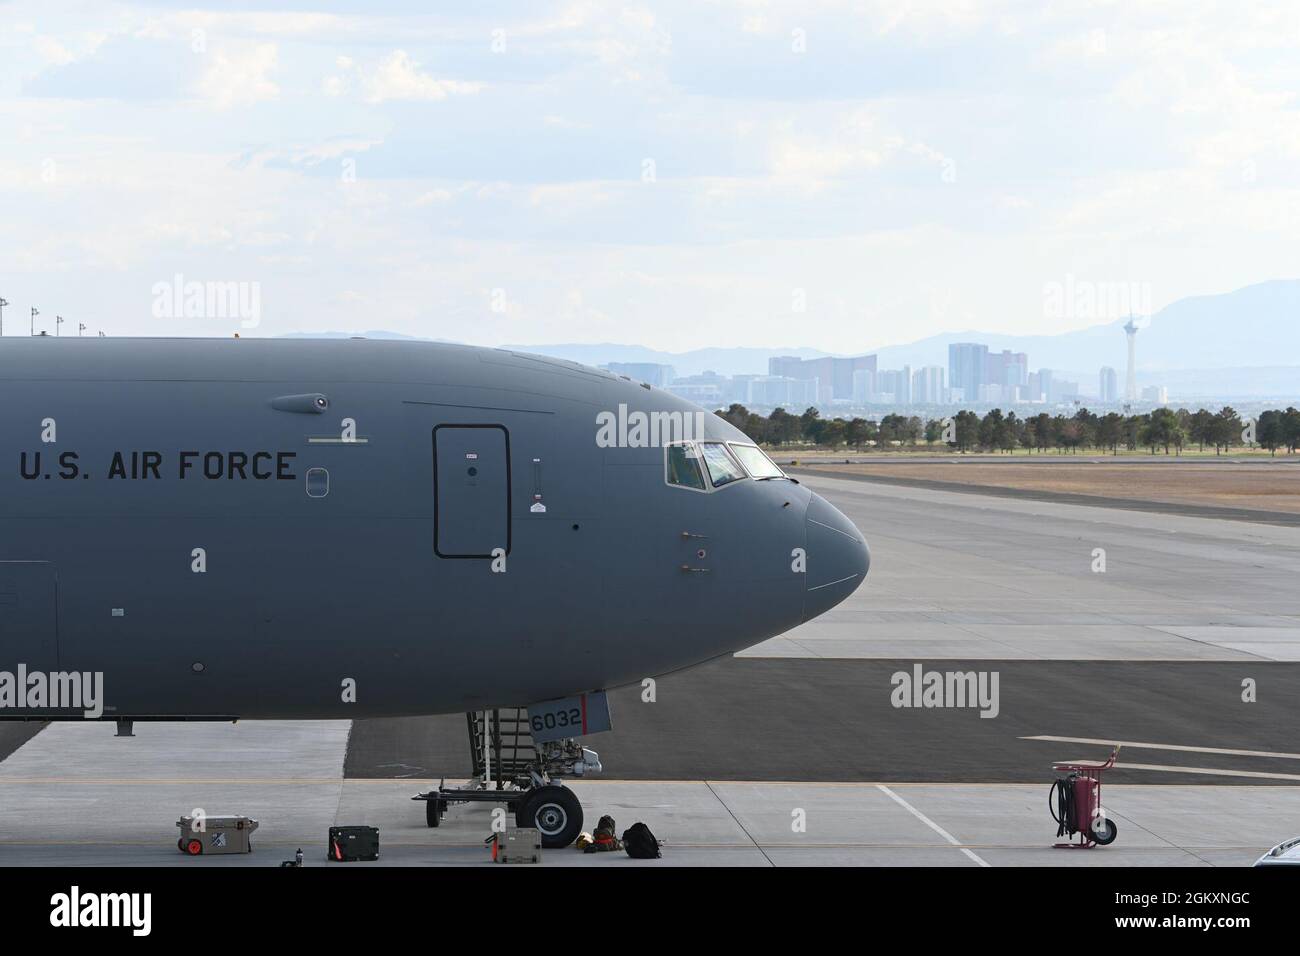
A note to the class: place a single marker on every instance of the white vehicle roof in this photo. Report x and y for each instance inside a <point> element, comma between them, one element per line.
<point>1284,854</point>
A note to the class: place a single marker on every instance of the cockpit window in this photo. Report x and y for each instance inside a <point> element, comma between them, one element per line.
<point>722,467</point>
<point>682,466</point>
<point>756,463</point>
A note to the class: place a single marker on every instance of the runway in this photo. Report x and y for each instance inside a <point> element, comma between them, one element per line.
<point>973,576</point>
<point>780,720</point>
<point>1154,652</point>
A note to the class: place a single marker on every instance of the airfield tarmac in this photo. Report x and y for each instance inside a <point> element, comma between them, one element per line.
<point>1151,652</point>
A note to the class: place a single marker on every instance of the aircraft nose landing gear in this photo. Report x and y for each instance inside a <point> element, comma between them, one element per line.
<point>515,770</point>
<point>554,811</point>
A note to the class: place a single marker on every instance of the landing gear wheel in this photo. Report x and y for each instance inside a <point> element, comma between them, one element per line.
<point>433,811</point>
<point>555,812</point>
<point>1105,834</point>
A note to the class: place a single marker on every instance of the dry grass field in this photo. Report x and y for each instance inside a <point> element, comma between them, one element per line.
<point>1264,484</point>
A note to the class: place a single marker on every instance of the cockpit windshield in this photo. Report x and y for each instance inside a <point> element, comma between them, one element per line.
<point>682,466</point>
<point>756,463</point>
<point>722,467</point>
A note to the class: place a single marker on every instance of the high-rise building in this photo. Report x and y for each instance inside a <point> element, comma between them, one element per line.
<point>864,384</point>
<point>895,382</point>
<point>1061,390</point>
<point>1109,385</point>
<point>1045,385</point>
<point>661,376</point>
<point>927,386</point>
<point>834,374</point>
<point>1007,368</point>
<point>707,388</point>
<point>772,391</point>
<point>968,367</point>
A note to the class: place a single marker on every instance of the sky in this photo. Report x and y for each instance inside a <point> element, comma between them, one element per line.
<point>840,176</point>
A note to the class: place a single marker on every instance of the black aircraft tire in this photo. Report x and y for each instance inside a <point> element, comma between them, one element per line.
<point>555,811</point>
<point>432,812</point>
<point>1108,833</point>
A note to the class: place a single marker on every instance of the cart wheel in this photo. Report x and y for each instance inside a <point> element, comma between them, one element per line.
<point>194,847</point>
<point>180,844</point>
<point>433,811</point>
<point>1106,833</point>
<point>555,812</point>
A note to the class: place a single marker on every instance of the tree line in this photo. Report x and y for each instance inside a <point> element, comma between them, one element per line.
<point>1164,429</point>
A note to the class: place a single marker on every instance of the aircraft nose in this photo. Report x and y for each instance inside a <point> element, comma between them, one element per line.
<point>838,557</point>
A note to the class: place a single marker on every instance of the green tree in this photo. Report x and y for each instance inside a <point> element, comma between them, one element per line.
<point>857,432</point>
<point>811,424</point>
<point>1268,430</point>
<point>1200,428</point>
<point>1291,429</point>
<point>784,428</point>
<point>1162,429</point>
<point>990,429</point>
<point>832,433</point>
<point>966,430</point>
<point>1225,430</point>
<point>1044,434</point>
<point>1110,431</point>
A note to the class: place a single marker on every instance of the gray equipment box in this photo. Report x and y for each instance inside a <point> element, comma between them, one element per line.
<point>215,835</point>
<point>521,845</point>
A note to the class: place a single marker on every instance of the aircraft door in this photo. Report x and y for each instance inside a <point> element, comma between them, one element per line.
<point>471,466</point>
<point>28,618</point>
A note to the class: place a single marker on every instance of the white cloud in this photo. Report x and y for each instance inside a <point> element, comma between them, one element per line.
<point>1171,145</point>
<point>240,76</point>
<point>52,51</point>
<point>397,76</point>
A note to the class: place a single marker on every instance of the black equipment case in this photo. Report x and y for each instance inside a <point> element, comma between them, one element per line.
<point>353,843</point>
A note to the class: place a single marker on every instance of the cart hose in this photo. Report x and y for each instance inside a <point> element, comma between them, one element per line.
<point>1063,811</point>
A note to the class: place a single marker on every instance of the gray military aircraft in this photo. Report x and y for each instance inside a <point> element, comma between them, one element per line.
<point>270,528</point>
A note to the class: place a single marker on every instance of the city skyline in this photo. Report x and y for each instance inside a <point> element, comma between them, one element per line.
<point>975,376</point>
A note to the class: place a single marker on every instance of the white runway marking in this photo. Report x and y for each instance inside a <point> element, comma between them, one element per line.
<point>928,822</point>
<point>1134,745</point>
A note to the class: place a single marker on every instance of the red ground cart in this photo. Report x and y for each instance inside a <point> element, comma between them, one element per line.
<point>1075,803</point>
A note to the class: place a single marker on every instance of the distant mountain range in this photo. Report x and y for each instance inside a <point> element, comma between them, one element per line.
<point>1237,343</point>
<point>1255,326</point>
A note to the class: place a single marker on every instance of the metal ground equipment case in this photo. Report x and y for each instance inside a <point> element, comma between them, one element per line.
<point>215,835</point>
<point>520,845</point>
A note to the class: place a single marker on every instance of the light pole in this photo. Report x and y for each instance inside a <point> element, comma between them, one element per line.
<point>81,327</point>
<point>3,303</point>
<point>35,313</point>
<point>58,320</point>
